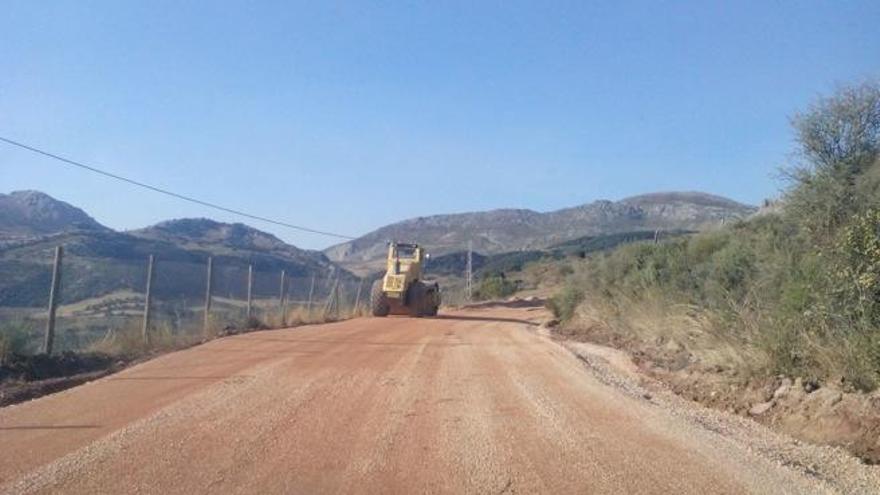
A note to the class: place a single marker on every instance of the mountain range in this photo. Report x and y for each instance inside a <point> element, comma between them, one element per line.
<point>29,213</point>
<point>100,260</point>
<point>504,230</point>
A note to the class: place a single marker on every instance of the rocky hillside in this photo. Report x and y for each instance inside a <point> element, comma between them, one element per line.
<point>30,213</point>
<point>99,260</point>
<point>507,230</point>
<point>202,234</point>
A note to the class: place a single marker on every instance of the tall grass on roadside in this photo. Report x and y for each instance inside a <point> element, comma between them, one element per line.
<point>16,337</point>
<point>128,340</point>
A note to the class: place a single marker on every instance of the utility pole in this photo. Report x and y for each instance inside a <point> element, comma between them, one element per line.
<point>469,287</point>
<point>250,290</point>
<point>336,299</point>
<point>148,299</point>
<point>53,300</point>
<point>282,294</point>
<point>208,282</point>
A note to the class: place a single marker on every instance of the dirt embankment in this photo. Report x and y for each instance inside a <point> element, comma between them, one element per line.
<point>818,412</point>
<point>808,410</point>
<point>28,377</point>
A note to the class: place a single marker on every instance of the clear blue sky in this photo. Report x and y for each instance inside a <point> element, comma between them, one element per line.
<point>349,116</point>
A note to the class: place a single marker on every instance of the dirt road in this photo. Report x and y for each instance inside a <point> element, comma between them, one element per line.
<point>473,402</point>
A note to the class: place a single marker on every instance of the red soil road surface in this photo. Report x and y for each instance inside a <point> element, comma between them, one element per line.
<point>471,402</point>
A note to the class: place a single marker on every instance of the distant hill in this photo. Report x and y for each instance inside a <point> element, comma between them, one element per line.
<point>506,230</point>
<point>99,260</point>
<point>202,234</point>
<point>30,213</point>
<point>98,263</point>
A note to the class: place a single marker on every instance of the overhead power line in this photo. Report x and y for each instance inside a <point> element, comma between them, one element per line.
<point>171,193</point>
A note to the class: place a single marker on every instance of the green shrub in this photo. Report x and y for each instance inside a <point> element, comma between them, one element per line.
<point>565,270</point>
<point>254,323</point>
<point>731,270</point>
<point>564,303</point>
<point>858,261</point>
<point>495,286</point>
<point>702,247</point>
<point>15,337</point>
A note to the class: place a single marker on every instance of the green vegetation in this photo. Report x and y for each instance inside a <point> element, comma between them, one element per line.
<point>564,303</point>
<point>15,338</point>
<point>495,286</point>
<point>583,246</point>
<point>797,290</point>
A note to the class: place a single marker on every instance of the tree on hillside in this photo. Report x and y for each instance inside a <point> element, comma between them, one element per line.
<point>839,137</point>
<point>841,131</point>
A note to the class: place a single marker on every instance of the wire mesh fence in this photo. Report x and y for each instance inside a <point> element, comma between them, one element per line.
<point>102,305</point>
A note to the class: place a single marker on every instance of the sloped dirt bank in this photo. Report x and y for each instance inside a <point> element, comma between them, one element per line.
<point>28,377</point>
<point>823,413</point>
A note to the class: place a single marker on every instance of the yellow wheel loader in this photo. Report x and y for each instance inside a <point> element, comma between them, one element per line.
<point>402,291</point>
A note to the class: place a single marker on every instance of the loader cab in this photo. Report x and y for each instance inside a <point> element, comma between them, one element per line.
<point>405,259</point>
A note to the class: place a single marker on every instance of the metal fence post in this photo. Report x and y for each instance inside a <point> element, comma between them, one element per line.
<point>357,298</point>
<point>208,283</point>
<point>327,302</point>
<point>311,293</point>
<point>250,290</point>
<point>282,294</point>
<point>148,299</point>
<point>336,298</point>
<point>53,300</point>
<point>332,298</point>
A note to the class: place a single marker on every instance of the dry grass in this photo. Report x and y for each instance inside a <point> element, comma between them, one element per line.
<point>129,340</point>
<point>302,315</point>
<point>545,276</point>
<point>126,339</point>
<point>671,330</point>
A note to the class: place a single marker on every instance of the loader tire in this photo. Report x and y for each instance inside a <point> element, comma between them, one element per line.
<point>433,302</point>
<point>415,300</point>
<point>422,300</point>
<point>432,311</point>
<point>378,302</point>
